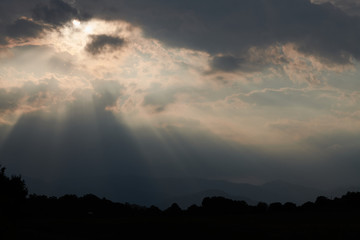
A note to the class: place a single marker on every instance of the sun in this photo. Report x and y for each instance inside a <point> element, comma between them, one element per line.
<point>76,23</point>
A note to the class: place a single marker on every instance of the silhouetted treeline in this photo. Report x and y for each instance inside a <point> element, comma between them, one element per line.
<point>92,206</point>
<point>14,199</point>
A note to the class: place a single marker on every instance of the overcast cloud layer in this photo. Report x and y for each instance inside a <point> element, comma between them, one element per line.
<point>250,91</point>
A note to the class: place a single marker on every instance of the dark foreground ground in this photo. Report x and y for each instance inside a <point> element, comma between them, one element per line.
<point>247,226</point>
<point>24,216</point>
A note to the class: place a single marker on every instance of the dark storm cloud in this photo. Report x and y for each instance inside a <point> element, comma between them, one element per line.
<point>351,7</point>
<point>11,23</point>
<point>102,43</point>
<point>21,19</point>
<point>231,64</point>
<point>226,63</point>
<point>11,10</point>
<point>23,28</point>
<point>232,27</point>
<point>55,12</point>
<point>226,27</point>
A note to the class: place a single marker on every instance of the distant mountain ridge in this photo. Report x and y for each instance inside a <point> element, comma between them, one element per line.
<point>275,191</point>
<point>161,192</point>
<point>186,201</point>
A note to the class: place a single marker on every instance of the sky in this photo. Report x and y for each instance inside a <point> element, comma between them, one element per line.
<point>246,91</point>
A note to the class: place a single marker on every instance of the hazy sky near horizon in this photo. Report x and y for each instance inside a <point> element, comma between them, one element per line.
<point>247,90</point>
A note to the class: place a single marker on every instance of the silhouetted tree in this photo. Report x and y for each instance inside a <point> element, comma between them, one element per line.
<point>216,205</point>
<point>275,207</point>
<point>153,211</point>
<point>221,205</point>
<point>194,210</point>
<point>321,201</point>
<point>350,200</point>
<point>173,210</point>
<point>261,207</point>
<point>12,189</point>
<point>289,207</point>
<point>308,206</point>
<point>13,193</point>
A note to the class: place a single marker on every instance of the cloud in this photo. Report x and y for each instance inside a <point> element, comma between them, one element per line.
<point>291,98</point>
<point>226,29</point>
<point>159,100</point>
<point>21,19</point>
<point>107,92</point>
<point>11,10</point>
<point>232,27</point>
<point>78,125</point>
<point>24,28</point>
<point>28,58</point>
<point>15,22</point>
<point>226,63</point>
<point>104,43</point>
<point>9,100</point>
<point>351,7</point>
<point>55,12</point>
<point>232,64</point>
<point>29,97</point>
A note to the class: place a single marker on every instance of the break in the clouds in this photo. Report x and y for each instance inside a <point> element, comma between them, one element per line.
<point>251,90</point>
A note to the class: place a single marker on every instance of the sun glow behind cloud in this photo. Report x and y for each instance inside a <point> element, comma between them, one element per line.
<point>76,23</point>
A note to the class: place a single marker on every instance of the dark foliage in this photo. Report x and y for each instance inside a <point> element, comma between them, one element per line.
<point>13,192</point>
<point>173,210</point>
<point>221,205</point>
<point>92,217</point>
